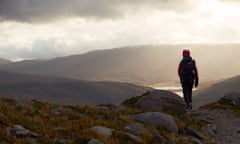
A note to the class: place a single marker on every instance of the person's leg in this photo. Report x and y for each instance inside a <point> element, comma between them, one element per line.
<point>190,86</point>
<point>186,93</point>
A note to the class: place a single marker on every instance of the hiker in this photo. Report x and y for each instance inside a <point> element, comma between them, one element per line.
<point>188,74</point>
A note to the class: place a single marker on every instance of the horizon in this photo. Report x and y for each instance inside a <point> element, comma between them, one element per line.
<point>130,46</point>
<point>32,29</point>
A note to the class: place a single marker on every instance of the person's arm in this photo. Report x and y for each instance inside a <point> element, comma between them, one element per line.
<point>180,72</point>
<point>196,74</point>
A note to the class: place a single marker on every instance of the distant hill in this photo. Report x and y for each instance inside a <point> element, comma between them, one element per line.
<point>137,64</point>
<point>4,61</point>
<point>217,91</point>
<point>65,91</point>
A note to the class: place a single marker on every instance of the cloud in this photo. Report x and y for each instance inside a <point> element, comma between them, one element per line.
<point>49,10</point>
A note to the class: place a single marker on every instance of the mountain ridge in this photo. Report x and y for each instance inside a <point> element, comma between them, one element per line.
<point>64,90</point>
<point>144,65</point>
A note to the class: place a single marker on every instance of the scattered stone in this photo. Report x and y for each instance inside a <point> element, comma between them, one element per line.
<point>231,98</point>
<point>107,132</point>
<point>59,110</point>
<point>58,129</point>
<point>159,100</point>
<point>158,139</point>
<point>195,133</point>
<point>19,131</point>
<point>195,140</point>
<point>136,138</point>
<point>30,140</point>
<point>158,119</point>
<point>60,141</point>
<point>7,131</point>
<point>210,129</point>
<point>136,129</point>
<point>95,141</point>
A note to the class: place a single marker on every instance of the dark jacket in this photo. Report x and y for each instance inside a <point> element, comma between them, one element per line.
<point>180,69</point>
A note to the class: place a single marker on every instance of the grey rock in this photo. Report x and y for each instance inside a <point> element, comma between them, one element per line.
<point>94,141</point>
<point>195,140</point>
<point>159,100</point>
<point>7,131</point>
<point>19,131</point>
<point>33,134</point>
<point>30,140</point>
<point>136,129</point>
<point>195,133</point>
<point>136,138</point>
<point>230,98</point>
<point>158,119</point>
<point>58,129</point>
<point>60,141</point>
<point>210,129</point>
<point>59,110</point>
<point>158,139</point>
<point>107,132</point>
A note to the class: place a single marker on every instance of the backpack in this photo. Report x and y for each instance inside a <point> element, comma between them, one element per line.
<point>188,66</point>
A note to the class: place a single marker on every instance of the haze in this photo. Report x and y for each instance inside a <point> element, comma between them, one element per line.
<point>33,29</point>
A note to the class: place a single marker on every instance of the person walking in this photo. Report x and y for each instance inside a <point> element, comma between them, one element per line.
<point>188,75</point>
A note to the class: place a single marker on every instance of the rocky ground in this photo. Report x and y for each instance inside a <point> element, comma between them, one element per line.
<point>224,118</point>
<point>156,117</point>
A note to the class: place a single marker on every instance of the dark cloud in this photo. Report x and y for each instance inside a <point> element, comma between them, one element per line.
<point>44,10</point>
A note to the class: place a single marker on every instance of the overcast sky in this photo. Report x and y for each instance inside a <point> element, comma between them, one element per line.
<point>50,28</point>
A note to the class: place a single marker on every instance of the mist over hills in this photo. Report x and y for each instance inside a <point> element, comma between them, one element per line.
<point>65,91</point>
<point>216,91</point>
<point>137,64</point>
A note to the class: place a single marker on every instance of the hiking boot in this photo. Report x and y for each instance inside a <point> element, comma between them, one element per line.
<point>190,106</point>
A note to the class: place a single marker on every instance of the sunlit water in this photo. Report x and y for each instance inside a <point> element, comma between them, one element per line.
<point>176,90</point>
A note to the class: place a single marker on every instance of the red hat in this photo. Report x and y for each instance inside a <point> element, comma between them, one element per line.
<point>186,52</point>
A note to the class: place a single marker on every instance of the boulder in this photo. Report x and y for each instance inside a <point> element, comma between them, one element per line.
<point>106,132</point>
<point>158,119</point>
<point>232,98</point>
<point>160,100</point>
<point>136,129</point>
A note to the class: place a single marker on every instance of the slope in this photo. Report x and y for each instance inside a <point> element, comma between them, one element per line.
<point>136,64</point>
<point>216,91</point>
<point>65,91</point>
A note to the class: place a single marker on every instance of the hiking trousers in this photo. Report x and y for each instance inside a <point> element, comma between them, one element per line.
<point>187,91</point>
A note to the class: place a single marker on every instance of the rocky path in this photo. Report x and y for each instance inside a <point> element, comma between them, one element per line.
<point>226,123</point>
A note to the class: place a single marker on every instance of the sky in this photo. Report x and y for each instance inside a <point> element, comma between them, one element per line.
<point>43,29</point>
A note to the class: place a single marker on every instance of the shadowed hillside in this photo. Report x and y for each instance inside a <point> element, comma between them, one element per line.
<point>65,91</point>
<point>216,91</point>
<point>138,64</point>
<point>4,61</point>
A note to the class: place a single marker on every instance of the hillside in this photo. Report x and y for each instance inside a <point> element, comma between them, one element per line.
<point>65,91</point>
<point>138,64</point>
<point>37,122</point>
<point>216,91</point>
